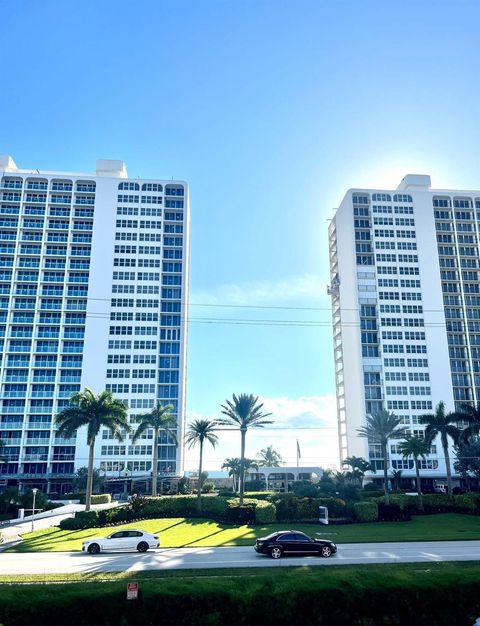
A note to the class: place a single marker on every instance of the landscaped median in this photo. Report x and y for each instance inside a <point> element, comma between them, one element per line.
<point>184,532</point>
<point>441,594</point>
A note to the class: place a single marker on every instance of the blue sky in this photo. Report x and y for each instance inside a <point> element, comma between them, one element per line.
<point>270,110</point>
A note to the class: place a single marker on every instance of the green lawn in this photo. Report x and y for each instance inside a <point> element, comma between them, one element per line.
<point>180,532</point>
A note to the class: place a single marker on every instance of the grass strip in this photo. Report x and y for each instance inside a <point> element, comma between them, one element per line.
<point>440,594</point>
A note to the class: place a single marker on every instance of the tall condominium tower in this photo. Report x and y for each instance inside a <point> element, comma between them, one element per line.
<point>93,293</point>
<point>406,310</point>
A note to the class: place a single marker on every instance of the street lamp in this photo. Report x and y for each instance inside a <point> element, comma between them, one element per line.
<point>34,491</point>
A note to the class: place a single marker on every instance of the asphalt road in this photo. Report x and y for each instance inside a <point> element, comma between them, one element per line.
<point>205,558</point>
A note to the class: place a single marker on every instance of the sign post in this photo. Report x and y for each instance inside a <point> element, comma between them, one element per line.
<point>132,591</point>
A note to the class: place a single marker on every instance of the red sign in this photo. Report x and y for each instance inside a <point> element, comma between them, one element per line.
<point>132,591</point>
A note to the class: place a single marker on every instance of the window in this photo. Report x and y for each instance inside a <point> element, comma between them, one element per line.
<point>129,187</point>
<point>152,187</point>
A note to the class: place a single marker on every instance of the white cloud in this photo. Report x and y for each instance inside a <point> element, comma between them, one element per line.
<point>264,292</point>
<point>310,419</point>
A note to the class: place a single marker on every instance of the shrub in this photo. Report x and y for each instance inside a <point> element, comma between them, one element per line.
<point>82,519</point>
<point>70,523</point>
<point>366,511</point>
<point>182,506</point>
<point>372,487</point>
<point>291,508</point>
<point>372,493</point>
<point>114,516</point>
<point>265,512</point>
<point>208,488</point>
<point>305,489</point>
<point>52,505</point>
<point>438,503</point>
<point>101,498</point>
<point>468,502</point>
<point>392,512</point>
<point>260,495</point>
<point>241,514</point>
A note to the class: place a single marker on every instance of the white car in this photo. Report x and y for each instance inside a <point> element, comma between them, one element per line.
<point>131,539</point>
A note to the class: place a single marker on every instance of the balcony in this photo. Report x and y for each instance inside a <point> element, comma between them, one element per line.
<point>37,442</point>
<point>12,442</point>
<point>61,199</point>
<point>89,200</point>
<point>60,441</point>
<point>28,458</point>
<point>13,409</point>
<point>16,379</point>
<point>11,425</point>
<point>39,425</point>
<point>63,457</point>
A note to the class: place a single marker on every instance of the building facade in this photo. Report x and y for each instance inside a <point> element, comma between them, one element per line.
<point>406,310</point>
<point>93,293</point>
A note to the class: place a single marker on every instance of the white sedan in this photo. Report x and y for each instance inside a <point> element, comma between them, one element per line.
<point>131,539</point>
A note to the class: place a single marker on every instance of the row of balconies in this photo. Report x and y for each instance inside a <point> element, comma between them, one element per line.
<point>42,185</point>
<point>36,441</point>
<point>9,196</point>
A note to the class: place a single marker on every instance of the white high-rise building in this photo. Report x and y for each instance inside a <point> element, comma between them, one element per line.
<point>406,310</point>
<point>93,293</point>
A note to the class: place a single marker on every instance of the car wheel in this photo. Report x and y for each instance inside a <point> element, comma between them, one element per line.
<point>142,546</point>
<point>93,548</point>
<point>326,551</point>
<point>276,553</point>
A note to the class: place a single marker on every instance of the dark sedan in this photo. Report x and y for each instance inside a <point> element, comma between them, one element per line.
<point>295,543</point>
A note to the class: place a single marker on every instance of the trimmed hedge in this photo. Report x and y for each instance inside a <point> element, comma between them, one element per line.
<point>392,513</point>
<point>265,512</point>
<point>101,498</point>
<point>184,506</point>
<point>366,511</point>
<point>468,502</point>
<point>291,508</point>
<point>82,519</point>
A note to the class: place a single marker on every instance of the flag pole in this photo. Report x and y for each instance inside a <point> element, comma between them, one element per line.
<point>298,454</point>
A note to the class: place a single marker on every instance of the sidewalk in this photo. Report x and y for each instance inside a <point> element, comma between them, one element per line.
<point>13,532</point>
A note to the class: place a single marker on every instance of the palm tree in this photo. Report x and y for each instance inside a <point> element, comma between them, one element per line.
<point>397,479</point>
<point>93,411</point>
<point>471,414</point>
<point>249,464</point>
<point>159,418</point>
<point>379,428</point>
<point>199,431</point>
<point>245,412</point>
<point>445,425</point>
<point>359,466</point>
<point>417,448</point>
<point>268,457</point>
<point>233,465</point>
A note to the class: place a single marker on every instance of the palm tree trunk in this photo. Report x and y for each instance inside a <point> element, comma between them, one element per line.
<point>155,462</point>
<point>88,492</point>
<point>419,488</point>
<point>385,473</point>
<point>243,432</point>
<point>447,464</point>
<point>199,490</point>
